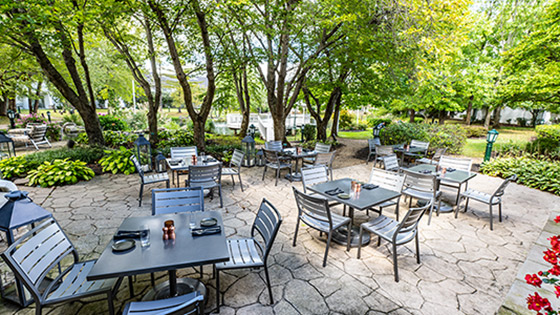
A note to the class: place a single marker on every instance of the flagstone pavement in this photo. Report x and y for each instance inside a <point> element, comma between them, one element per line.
<point>465,268</point>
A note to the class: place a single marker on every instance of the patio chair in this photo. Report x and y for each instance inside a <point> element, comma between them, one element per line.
<point>434,159</point>
<point>319,148</point>
<point>422,187</point>
<point>489,199</point>
<point>396,233</point>
<point>34,134</point>
<point>316,213</point>
<point>273,145</point>
<point>458,164</point>
<point>253,252</point>
<point>183,152</point>
<point>70,130</point>
<point>388,180</point>
<point>207,177</point>
<point>174,200</point>
<point>380,152</point>
<point>420,145</point>
<point>391,163</point>
<point>235,167</point>
<point>188,304</point>
<point>272,161</point>
<point>38,253</point>
<point>148,179</point>
<point>326,159</point>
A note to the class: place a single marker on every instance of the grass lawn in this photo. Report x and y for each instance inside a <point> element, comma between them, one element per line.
<point>475,147</point>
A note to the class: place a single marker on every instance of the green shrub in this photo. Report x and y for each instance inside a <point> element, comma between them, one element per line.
<point>309,132</point>
<point>403,133</point>
<point>175,138</point>
<point>213,139</point>
<point>509,149</point>
<point>475,131</point>
<point>548,131</point>
<point>346,120</point>
<point>452,136</point>
<point>210,126</point>
<point>59,172</point>
<point>535,173</point>
<point>222,151</point>
<point>113,139</point>
<point>16,166</point>
<point>522,122</point>
<point>111,122</point>
<point>544,146</point>
<point>117,161</point>
<point>85,154</point>
<point>82,138</point>
<point>374,121</point>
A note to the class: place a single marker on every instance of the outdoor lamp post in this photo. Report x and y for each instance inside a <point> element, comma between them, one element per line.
<point>490,139</point>
<point>143,153</point>
<point>49,115</point>
<point>18,211</point>
<point>302,127</point>
<point>6,144</point>
<point>252,131</point>
<point>376,132</point>
<point>161,164</point>
<point>249,150</point>
<point>12,116</point>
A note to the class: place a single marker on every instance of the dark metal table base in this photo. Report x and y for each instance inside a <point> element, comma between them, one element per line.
<point>340,236</point>
<point>183,286</point>
<point>294,177</point>
<point>445,207</point>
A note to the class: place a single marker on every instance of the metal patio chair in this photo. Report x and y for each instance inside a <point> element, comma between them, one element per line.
<point>187,304</point>
<point>206,177</point>
<point>253,252</point>
<point>391,163</point>
<point>38,253</point>
<point>458,164</point>
<point>418,155</point>
<point>490,199</point>
<point>274,162</point>
<point>396,233</point>
<point>174,200</point>
<point>388,180</point>
<point>319,148</point>
<point>273,145</point>
<point>326,159</point>
<point>316,213</point>
<point>183,152</point>
<point>148,179</point>
<point>235,167</point>
<point>435,158</point>
<point>422,187</point>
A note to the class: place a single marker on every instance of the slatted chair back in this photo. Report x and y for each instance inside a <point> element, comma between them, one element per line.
<point>420,182</point>
<point>391,162</point>
<point>187,304</point>
<point>385,179</point>
<point>372,145</point>
<point>174,200</point>
<point>410,221</point>
<point>36,253</point>
<point>38,132</point>
<point>502,188</point>
<point>183,152</point>
<point>322,147</point>
<point>438,154</point>
<point>384,150</point>
<point>137,166</point>
<point>313,208</point>
<point>236,158</point>
<point>271,156</point>
<point>205,173</point>
<point>420,144</point>
<point>266,225</point>
<point>273,145</point>
<point>313,175</point>
<point>456,163</point>
<point>325,158</point>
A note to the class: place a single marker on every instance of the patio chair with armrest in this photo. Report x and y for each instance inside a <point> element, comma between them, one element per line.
<point>391,163</point>
<point>253,252</point>
<point>422,187</point>
<point>435,158</point>
<point>326,159</point>
<point>458,164</point>
<point>187,304</point>
<point>35,134</point>
<point>388,180</point>
<point>206,177</point>
<point>179,153</point>
<point>421,145</point>
<point>38,254</point>
<point>490,199</point>
<point>273,161</point>
<point>235,167</point>
<point>273,145</point>
<point>148,179</point>
<point>319,148</point>
<point>395,232</point>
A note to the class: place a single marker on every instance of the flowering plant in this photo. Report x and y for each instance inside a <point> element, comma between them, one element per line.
<point>28,119</point>
<point>536,302</point>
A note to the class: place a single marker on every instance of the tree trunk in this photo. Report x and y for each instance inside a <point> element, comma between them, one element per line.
<point>198,129</point>
<point>12,103</point>
<point>322,130</point>
<point>243,98</point>
<point>334,128</point>
<point>469,111</point>
<point>442,116</point>
<point>3,104</point>
<point>92,126</point>
<point>37,96</point>
<point>245,123</point>
<point>30,100</point>
<point>497,116</point>
<point>487,117</point>
<point>412,114</point>
<point>279,120</point>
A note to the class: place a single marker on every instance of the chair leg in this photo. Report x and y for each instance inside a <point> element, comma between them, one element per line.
<point>417,248</point>
<point>295,234</point>
<point>141,192</point>
<point>217,290</point>
<point>201,270</point>
<point>153,279</point>
<point>466,205</point>
<point>430,214</point>
<point>395,267</point>
<point>38,309</point>
<point>220,192</point>
<point>110,301</point>
<point>327,249</point>
<point>349,236</point>
<point>397,210</point>
<point>491,218</point>
<point>277,175</point>
<point>240,182</point>
<point>232,180</point>
<point>264,172</point>
<point>130,287</point>
<point>500,210</point>
<point>458,193</point>
<point>268,284</point>
<point>167,183</point>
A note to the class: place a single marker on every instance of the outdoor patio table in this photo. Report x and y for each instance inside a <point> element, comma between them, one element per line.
<point>412,149</point>
<point>184,164</point>
<point>456,176</point>
<point>164,255</point>
<point>292,153</point>
<point>362,200</point>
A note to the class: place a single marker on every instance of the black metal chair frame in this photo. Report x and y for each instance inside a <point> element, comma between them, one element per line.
<point>143,181</point>
<point>273,161</point>
<point>207,177</point>
<point>235,167</point>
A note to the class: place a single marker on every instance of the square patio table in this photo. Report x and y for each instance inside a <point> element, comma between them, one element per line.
<point>412,149</point>
<point>363,200</point>
<point>456,176</point>
<point>292,154</point>
<point>184,164</point>
<point>164,255</point>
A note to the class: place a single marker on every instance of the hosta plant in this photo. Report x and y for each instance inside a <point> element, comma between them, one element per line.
<point>117,161</point>
<point>16,166</point>
<point>59,172</point>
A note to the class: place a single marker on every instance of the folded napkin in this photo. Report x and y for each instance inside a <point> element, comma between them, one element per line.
<point>450,169</point>
<point>426,172</point>
<point>206,231</point>
<point>335,191</point>
<point>129,234</point>
<point>369,186</point>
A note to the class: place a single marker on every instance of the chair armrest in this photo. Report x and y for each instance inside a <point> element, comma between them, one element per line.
<point>19,131</point>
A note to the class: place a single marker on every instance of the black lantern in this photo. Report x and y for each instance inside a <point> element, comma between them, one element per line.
<point>376,132</point>
<point>7,148</point>
<point>19,211</point>
<point>143,153</point>
<point>252,130</point>
<point>161,163</point>
<point>490,139</point>
<point>49,115</point>
<point>249,150</point>
<point>12,116</point>
<point>259,158</point>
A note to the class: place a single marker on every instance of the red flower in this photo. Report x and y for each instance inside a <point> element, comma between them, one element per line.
<point>555,270</point>
<point>557,219</point>
<point>536,303</point>
<point>550,256</point>
<point>533,280</point>
<point>555,243</point>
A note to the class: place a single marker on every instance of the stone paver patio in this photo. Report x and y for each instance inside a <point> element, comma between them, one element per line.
<point>465,268</point>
